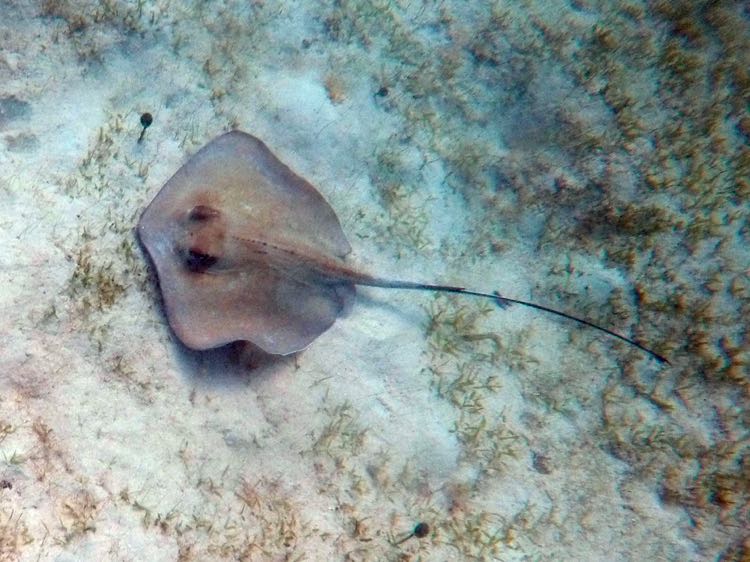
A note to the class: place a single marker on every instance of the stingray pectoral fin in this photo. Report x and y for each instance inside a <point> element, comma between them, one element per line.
<point>277,313</point>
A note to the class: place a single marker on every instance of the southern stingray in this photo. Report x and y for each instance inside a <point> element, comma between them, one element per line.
<point>247,250</point>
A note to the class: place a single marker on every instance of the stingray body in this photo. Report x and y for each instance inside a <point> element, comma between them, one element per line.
<point>247,250</point>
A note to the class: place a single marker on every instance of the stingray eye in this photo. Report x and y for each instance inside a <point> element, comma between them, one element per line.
<point>202,213</point>
<point>198,261</point>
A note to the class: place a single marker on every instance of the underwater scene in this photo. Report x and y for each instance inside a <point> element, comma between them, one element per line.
<point>370,280</point>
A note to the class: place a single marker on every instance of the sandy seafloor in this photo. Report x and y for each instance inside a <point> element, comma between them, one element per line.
<point>591,156</point>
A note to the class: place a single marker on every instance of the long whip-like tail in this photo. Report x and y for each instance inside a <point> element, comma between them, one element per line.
<point>505,301</point>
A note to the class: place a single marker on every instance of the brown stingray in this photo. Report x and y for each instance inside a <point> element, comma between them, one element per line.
<point>246,250</point>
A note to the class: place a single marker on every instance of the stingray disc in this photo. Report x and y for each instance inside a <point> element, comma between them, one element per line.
<point>244,249</point>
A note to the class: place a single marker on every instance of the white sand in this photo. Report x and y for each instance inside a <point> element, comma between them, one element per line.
<point>515,435</point>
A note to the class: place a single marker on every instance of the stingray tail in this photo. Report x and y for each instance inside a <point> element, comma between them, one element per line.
<point>504,302</point>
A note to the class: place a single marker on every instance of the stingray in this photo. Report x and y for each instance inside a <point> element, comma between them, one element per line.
<point>247,250</point>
